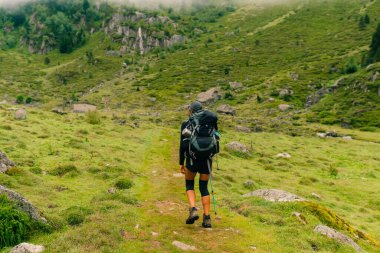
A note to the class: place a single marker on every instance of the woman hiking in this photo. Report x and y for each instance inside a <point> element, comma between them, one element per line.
<point>199,143</point>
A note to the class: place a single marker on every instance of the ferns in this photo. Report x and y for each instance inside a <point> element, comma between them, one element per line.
<point>14,224</point>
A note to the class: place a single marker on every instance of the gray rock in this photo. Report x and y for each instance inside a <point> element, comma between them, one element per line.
<point>210,96</point>
<point>20,114</point>
<point>27,248</point>
<point>348,138</point>
<point>242,129</point>
<point>237,147</point>
<point>294,76</point>
<point>333,234</point>
<point>83,108</point>
<point>226,109</point>
<point>5,163</point>
<point>112,190</point>
<point>321,135</point>
<point>374,76</point>
<point>283,155</point>
<point>236,85</point>
<point>315,195</point>
<point>286,92</point>
<point>319,94</point>
<point>283,107</point>
<point>152,99</point>
<point>274,195</point>
<point>183,246</point>
<point>22,203</point>
<point>271,100</point>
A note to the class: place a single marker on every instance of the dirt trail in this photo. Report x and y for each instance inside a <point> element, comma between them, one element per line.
<point>165,208</point>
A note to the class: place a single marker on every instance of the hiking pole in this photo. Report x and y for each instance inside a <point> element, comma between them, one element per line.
<point>212,187</point>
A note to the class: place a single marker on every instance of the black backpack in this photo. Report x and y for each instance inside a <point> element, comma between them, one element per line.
<point>203,142</point>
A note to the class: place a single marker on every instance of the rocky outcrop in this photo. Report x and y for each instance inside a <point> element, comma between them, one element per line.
<point>274,195</point>
<point>237,147</point>
<point>226,109</point>
<point>319,94</point>
<point>5,163</point>
<point>122,29</point>
<point>210,96</point>
<point>22,203</point>
<point>333,234</point>
<point>236,85</point>
<point>27,248</point>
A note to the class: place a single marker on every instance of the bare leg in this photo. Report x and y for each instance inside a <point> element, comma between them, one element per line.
<point>189,175</point>
<point>206,199</point>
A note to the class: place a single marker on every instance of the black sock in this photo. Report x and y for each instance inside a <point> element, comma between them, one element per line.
<point>193,209</point>
<point>207,216</point>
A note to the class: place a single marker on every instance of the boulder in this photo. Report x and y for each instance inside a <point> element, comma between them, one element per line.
<point>283,155</point>
<point>5,163</point>
<point>333,234</point>
<point>321,135</point>
<point>236,85</point>
<point>271,100</point>
<point>183,246</point>
<point>283,107</point>
<point>242,129</point>
<point>347,138</point>
<point>27,248</point>
<point>315,195</point>
<point>294,76</point>
<point>237,147</point>
<point>274,195</point>
<point>20,114</point>
<point>226,109</point>
<point>83,108</point>
<point>22,203</point>
<point>112,190</point>
<point>210,96</point>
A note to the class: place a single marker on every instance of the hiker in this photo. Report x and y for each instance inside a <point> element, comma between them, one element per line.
<point>199,143</point>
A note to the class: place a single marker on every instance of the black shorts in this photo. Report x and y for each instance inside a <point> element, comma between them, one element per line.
<point>198,166</point>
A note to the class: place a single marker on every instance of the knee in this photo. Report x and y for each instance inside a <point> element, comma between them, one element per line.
<point>203,188</point>
<point>189,185</point>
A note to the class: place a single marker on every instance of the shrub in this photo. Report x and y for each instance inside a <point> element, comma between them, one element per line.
<point>20,99</point>
<point>93,117</point>
<point>76,215</point>
<point>28,100</point>
<point>63,170</point>
<point>124,184</point>
<point>351,66</point>
<point>14,224</point>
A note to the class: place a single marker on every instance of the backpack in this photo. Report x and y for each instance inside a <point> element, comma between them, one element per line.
<point>203,142</point>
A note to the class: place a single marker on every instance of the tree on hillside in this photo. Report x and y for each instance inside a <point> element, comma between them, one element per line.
<point>86,5</point>
<point>374,52</point>
<point>367,19</point>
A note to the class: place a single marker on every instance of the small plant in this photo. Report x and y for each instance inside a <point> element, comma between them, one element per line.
<point>20,99</point>
<point>14,224</point>
<point>228,96</point>
<point>93,117</point>
<point>76,215</point>
<point>123,184</point>
<point>351,66</point>
<point>63,170</point>
<point>28,100</point>
<point>47,60</point>
<point>333,172</point>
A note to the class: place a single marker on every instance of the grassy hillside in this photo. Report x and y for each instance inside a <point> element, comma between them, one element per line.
<point>65,166</point>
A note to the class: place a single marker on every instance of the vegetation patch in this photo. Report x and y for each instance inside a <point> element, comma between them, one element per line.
<point>123,184</point>
<point>64,169</point>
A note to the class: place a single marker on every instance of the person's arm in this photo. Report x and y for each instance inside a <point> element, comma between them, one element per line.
<point>182,147</point>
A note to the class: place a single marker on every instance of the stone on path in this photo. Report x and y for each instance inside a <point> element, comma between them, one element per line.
<point>337,236</point>
<point>27,248</point>
<point>274,195</point>
<point>183,246</point>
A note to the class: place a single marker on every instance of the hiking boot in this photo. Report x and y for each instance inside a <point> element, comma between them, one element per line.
<point>193,216</point>
<point>206,221</point>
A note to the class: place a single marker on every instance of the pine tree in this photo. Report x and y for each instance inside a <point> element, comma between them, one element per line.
<point>374,52</point>
<point>367,20</point>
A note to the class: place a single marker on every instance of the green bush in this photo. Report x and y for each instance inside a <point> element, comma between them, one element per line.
<point>63,170</point>
<point>124,184</point>
<point>14,224</point>
<point>28,100</point>
<point>20,99</point>
<point>76,215</point>
<point>93,117</point>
